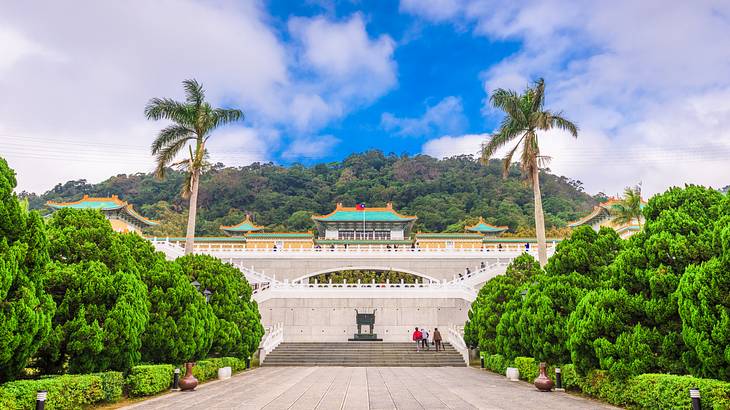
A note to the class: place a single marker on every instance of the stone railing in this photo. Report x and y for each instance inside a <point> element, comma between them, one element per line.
<point>227,251</point>
<point>273,338</point>
<point>345,289</point>
<point>455,337</point>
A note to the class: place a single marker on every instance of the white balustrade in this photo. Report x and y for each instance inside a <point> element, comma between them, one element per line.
<point>455,337</point>
<point>273,338</point>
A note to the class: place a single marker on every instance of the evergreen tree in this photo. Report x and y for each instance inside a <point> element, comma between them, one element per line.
<point>182,325</point>
<point>704,308</point>
<point>486,311</point>
<point>25,309</point>
<point>103,307</point>
<point>240,329</point>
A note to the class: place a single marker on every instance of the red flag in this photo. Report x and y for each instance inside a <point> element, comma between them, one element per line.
<point>360,207</point>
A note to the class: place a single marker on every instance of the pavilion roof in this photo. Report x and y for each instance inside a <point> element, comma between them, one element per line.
<point>244,226</point>
<point>602,209</point>
<point>352,214</point>
<point>104,204</point>
<point>483,227</point>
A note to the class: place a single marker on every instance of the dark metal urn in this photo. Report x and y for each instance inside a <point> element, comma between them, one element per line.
<point>543,382</point>
<point>189,382</point>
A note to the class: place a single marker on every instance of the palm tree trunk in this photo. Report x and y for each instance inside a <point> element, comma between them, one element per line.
<point>192,212</point>
<point>539,217</point>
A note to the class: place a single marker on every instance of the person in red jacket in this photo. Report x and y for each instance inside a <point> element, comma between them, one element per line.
<point>417,335</point>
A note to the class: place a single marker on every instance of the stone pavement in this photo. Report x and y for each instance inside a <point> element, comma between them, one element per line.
<point>368,388</point>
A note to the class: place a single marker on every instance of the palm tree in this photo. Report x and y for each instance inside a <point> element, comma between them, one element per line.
<point>629,208</point>
<point>192,123</point>
<point>525,116</point>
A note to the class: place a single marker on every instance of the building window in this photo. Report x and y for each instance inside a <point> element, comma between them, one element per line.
<point>367,235</point>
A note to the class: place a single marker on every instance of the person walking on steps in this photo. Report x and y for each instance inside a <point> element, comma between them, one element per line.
<point>424,339</point>
<point>417,338</point>
<point>437,339</point>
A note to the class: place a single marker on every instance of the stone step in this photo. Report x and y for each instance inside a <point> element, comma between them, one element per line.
<point>360,354</point>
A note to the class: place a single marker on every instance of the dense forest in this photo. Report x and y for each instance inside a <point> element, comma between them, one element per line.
<point>444,194</point>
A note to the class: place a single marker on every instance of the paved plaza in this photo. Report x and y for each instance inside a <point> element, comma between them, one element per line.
<point>368,388</point>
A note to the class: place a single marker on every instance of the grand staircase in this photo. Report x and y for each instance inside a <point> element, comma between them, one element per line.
<point>361,354</point>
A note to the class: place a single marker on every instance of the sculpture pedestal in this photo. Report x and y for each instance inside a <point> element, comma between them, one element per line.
<point>365,337</point>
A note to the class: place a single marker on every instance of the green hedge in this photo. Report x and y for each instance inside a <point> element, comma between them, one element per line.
<point>496,363</point>
<point>64,392</point>
<point>112,383</point>
<point>571,378</point>
<point>672,391</point>
<point>528,367</point>
<point>146,380</point>
<point>207,369</point>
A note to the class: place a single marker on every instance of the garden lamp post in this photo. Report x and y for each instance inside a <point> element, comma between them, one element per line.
<point>207,294</point>
<point>196,284</point>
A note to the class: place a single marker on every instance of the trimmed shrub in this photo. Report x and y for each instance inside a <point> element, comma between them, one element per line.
<point>146,380</point>
<point>112,383</point>
<point>64,392</point>
<point>571,379</point>
<point>208,369</point>
<point>668,391</point>
<point>496,363</point>
<point>528,367</point>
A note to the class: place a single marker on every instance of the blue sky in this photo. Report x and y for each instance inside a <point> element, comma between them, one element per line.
<point>646,82</point>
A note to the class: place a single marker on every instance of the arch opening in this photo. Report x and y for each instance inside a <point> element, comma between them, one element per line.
<point>381,274</point>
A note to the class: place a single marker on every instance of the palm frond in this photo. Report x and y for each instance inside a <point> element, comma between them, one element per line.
<point>560,122</point>
<point>223,116</point>
<point>509,102</point>
<point>194,93</point>
<point>507,161</point>
<point>506,133</point>
<point>171,135</point>
<point>538,95</point>
<point>165,156</point>
<point>169,109</point>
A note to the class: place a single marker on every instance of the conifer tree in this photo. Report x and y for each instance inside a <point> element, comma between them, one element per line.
<point>25,308</point>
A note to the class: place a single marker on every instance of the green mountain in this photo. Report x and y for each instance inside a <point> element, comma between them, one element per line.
<point>444,194</point>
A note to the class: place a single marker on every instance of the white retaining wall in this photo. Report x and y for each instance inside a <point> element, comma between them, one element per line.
<point>333,319</point>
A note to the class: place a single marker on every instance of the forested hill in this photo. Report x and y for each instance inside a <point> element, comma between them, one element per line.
<point>444,194</point>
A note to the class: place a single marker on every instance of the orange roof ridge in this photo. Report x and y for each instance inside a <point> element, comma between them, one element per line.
<point>87,198</point>
<point>482,221</point>
<point>387,208</point>
<point>247,219</point>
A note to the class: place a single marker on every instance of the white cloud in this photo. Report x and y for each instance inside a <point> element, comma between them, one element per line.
<point>311,147</point>
<point>448,146</point>
<point>76,77</point>
<point>646,82</point>
<point>446,117</point>
<point>354,64</point>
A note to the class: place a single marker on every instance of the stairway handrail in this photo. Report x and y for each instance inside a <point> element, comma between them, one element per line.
<point>273,338</point>
<point>455,337</point>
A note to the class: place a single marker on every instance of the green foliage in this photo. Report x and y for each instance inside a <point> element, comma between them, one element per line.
<point>440,192</point>
<point>486,310</point>
<point>240,329</point>
<point>146,380</point>
<point>112,383</point>
<point>666,391</point>
<point>25,309</point>
<point>496,363</point>
<point>634,326</point>
<point>571,379</point>
<point>182,325</point>
<point>103,307</point>
<point>352,276</point>
<point>64,392</point>
<point>704,308</point>
<point>656,391</point>
<point>529,368</point>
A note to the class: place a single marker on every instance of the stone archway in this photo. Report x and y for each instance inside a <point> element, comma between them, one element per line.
<point>365,268</point>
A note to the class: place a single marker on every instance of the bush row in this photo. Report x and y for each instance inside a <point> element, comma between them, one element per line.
<point>665,391</point>
<point>75,391</point>
<point>64,392</point>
